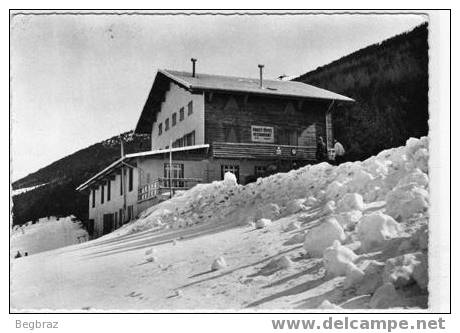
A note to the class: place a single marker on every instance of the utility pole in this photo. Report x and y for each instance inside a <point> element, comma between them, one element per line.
<point>170,167</point>
<point>123,181</point>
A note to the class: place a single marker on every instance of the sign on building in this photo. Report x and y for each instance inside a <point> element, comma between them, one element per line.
<point>262,134</point>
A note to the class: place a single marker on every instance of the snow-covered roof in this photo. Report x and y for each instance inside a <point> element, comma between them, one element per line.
<point>250,85</point>
<point>120,161</point>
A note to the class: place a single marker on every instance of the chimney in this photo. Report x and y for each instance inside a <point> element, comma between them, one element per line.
<point>261,78</point>
<point>193,66</point>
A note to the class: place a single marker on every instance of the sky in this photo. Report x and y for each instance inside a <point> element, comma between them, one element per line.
<point>79,79</point>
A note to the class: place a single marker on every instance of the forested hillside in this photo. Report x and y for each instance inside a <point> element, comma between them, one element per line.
<point>58,197</point>
<point>389,82</point>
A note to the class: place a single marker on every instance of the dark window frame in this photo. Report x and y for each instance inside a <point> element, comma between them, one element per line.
<point>166,124</point>
<point>160,129</point>
<point>109,190</point>
<point>190,108</point>
<point>174,119</point>
<point>228,168</point>
<point>181,114</point>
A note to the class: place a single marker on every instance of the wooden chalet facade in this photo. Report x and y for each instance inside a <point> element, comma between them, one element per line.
<point>209,125</point>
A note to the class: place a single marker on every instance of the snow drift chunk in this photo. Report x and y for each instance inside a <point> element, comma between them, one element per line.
<point>348,219</point>
<point>262,223</point>
<point>219,263</point>
<point>376,229</point>
<point>230,179</point>
<point>322,236</point>
<point>338,258</point>
<point>385,297</point>
<point>294,206</point>
<point>351,201</point>
<point>335,190</point>
<point>404,201</point>
<point>401,271</point>
<point>326,305</point>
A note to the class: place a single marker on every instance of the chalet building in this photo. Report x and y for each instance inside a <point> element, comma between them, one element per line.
<point>203,126</point>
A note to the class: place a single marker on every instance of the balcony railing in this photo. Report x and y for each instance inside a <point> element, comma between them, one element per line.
<point>163,185</point>
<point>262,151</point>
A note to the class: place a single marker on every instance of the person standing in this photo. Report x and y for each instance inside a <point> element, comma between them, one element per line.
<point>339,152</point>
<point>321,150</point>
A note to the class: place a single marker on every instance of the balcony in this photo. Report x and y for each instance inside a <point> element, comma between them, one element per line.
<point>164,185</point>
<point>262,151</point>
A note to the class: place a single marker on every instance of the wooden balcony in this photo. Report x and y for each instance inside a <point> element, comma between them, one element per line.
<point>262,151</point>
<point>164,185</point>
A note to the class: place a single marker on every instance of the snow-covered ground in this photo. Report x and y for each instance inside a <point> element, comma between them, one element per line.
<point>47,234</point>
<point>353,236</point>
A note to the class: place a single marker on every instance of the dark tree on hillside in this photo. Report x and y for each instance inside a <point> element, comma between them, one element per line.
<point>389,82</point>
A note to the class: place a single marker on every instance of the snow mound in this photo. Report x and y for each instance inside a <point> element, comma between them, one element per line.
<point>406,200</point>
<point>323,236</point>
<point>375,230</point>
<point>337,259</point>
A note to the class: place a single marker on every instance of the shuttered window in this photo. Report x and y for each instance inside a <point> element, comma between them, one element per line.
<point>130,181</point>
<point>108,190</point>
<point>93,198</point>
<point>181,114</point>
<point>102,194</point>
<point>190,108</point>
<point>174,119</point>
<point>160,128</point>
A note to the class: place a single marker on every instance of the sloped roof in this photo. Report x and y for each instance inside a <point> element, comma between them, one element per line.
<point>251,85</point>
<point>207,82</point>
<point>127,157</point>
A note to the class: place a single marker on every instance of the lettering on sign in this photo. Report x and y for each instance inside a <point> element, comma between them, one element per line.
<point>262,134</point>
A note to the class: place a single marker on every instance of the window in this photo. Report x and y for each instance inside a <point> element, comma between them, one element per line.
<point>189,139</point>
<point>181,114</point>
<point>160,128</point>
<point>90,227</point>
<point>174,119</point>
<point>130,180</point>
<point>190,108</point>
<point>235,169</point>
<point>130,213</point>
<point>115,219</point>
<point>177,172</point>
<point>121,182</point>
<point>102,194</point>
<point>108,190</point>
<point>166,124</point>
<point>107,223</point>
<point>259,171</point>
<point>93,198</point>
<point>120,214</point>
